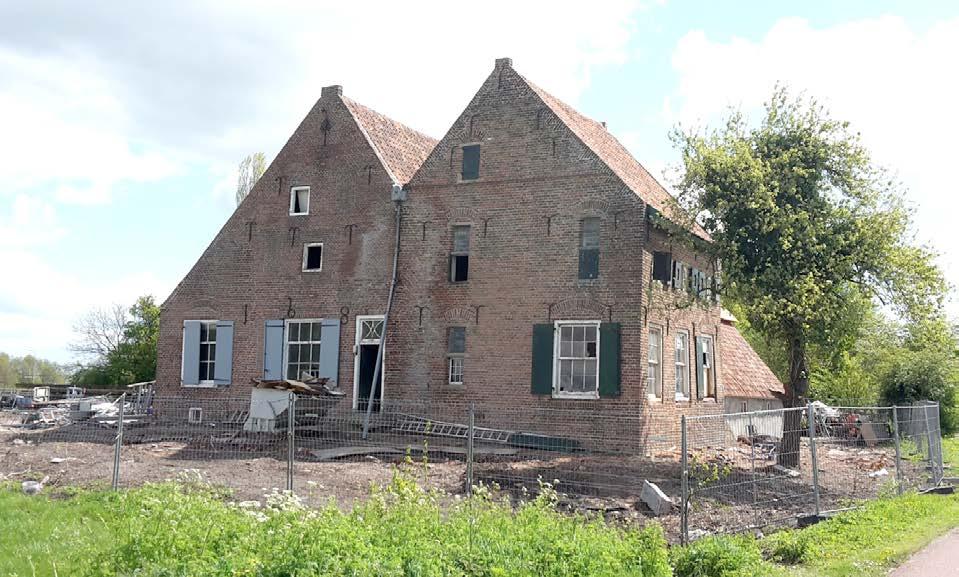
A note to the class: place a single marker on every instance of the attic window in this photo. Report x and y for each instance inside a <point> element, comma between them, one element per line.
<point>313,257</point>
<point>471,162</point>
<point>299,200</point>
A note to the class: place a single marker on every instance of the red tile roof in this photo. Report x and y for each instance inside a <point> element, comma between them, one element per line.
<point>744,374</point>
<point>402,149</point>
<point>595,136</point>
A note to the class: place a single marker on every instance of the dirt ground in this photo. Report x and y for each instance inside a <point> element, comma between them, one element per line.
<point>743,494</point>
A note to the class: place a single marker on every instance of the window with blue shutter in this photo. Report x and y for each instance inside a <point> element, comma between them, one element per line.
<point>330,350</point>
<point>273,350</point>
<point>471,162</point>
<point>190,369</point>
<point>223,365</point>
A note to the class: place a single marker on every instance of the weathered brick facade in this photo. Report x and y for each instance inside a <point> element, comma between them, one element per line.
<point>543,168</point>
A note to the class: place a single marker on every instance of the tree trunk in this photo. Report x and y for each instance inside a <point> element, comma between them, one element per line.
<point>796,391</point>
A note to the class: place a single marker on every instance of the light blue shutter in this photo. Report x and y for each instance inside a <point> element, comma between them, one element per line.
<point>330,350</point>
<point>190,370</point>
<point>223,367</point>
<point>700,370</point>
<point>273,350</point>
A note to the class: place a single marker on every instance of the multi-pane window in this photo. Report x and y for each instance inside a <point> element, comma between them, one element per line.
<point>704,366</point>
<point>303,349</point>
<point>589,248</point>
<point>460,254</point>
<point>456,350</point>
<point>577,359</point>
<point>299,200</point>
<point>207,351</point>
<point>682,370</point>
<point>313,257</point>
<point>471,162</point>
<point>655,362</point>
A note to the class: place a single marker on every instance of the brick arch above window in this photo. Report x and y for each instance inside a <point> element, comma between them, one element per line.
<point>462,315</point>
<point>579,307</point>
<point>465,215</point>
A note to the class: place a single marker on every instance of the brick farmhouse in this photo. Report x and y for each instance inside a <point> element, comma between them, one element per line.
<point>537,267</point>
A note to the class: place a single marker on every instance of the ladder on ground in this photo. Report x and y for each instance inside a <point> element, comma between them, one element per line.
<point>420,426</point>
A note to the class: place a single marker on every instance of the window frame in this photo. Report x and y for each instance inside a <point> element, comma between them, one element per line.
<point>455,254</point>
<point>557,358</point>
<point>206,383</point>
<point>306,251</point>
<point>709,391</point>
<point>454,358</point>
<point>286,344</point>
<point>479,161</point>
<point>583,249</point>
<point>295,189</point>
<point>654,328</point>
<point>681,368</point>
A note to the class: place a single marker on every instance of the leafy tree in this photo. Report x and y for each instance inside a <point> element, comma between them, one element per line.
<point>15,371</point>
<point>251,169</point>
<point>802,220</point>
<point>127,358</point>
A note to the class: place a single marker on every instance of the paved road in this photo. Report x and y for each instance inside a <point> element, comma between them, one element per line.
<point>939,559</point>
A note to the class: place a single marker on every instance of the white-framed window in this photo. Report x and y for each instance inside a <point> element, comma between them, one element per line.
<point>299,200</point>
<point>682,365</point>
<point>302,350</point>
<point>313,257</point>
<point>654,369</point>
<point>460,253</point>
<point>705,366</point>
<point>576,356</point>
<point>456,351</point>
<point>207,351</point>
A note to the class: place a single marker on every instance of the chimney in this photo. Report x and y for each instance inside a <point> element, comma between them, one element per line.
<point>604,124</point>
<point>504,63</point>
<point>334,91</point>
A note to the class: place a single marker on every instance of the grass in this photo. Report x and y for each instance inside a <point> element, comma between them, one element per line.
<point>950,456</point>
<point>186,528</point>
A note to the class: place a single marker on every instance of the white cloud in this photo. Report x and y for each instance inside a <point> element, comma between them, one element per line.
<point>894,84</point>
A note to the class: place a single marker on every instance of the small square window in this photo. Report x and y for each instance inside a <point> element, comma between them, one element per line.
<point>313,257</point>
<point>299,200</point>
<point>471,162</point>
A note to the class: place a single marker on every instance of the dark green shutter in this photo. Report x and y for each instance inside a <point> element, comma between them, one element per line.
<point>700,370</point>
<point>609,359</point>
<point>542,359</point>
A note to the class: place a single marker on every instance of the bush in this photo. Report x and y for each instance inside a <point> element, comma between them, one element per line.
<point>726,556</point>
<point>788,547</point>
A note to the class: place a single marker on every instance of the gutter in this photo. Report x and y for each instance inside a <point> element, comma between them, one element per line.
<point>399,196</point>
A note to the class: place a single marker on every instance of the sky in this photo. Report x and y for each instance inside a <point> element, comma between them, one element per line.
<point>122,123</point>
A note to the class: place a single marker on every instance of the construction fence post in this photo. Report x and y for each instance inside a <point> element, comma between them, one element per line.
<point>932,458</point>
<point>469,450</point>
<point>940,469</point>
<point>118,443</point>
<point>684,506</point>
<point>290,441</point>
<point>895,436</point>
<point>811,417</point>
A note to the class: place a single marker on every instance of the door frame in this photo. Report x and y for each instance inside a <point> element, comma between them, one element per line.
<point>357,341</point>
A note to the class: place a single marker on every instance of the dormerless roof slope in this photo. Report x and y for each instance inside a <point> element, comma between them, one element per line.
<point>402,149</point>
<point>613,154</point>
<point>744,373</point>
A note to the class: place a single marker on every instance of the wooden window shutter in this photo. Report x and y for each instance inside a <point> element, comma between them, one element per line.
<point>223,367</point>
<point>273,350</point>
<point>330,350</point>
<point>190,370</point>
<point>609,360</point>
<point>542,381</point>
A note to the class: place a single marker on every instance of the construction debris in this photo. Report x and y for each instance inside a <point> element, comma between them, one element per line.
<point>309,385</point>
<point>33,487</point>
<point>655,499</point>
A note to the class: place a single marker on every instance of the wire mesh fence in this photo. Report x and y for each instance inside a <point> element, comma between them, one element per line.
<point>697,475</point>
<point>751,470</point>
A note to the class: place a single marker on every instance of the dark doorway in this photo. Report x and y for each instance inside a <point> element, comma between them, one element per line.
<point>367,361</point>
